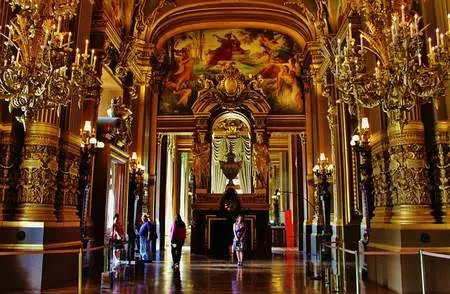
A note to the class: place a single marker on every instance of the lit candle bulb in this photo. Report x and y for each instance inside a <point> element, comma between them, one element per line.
<point>77,56</point>
<point>95,61</point>
<point>46,37</point>
<point>86,47</point>
<point>17,56</point>
<point>416,22</point>
<point>92,56</point>
<point>441,36</point>
<point>430,46</point>
<point>448,23</point>
<point>350,31</point>
<point>59,25</point>
<point>339,46</point>
<point>61,40</point>
<point>5,62</point>
<point>419,56</point>
<point>437,36</point>
<point>403,13</point>
<point>69,38</point>
<point>361,41</point>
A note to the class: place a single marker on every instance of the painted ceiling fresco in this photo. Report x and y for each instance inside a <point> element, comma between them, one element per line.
<point>271,55</point>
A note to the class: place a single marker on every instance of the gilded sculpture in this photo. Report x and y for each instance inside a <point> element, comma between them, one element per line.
<point>261,159</point>
<point>202,156</point>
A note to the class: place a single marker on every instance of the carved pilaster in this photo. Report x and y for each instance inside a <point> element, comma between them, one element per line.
<point>409,175</point>
<point>9,162</point>
<point>442,161</point>
<point>381,178</point>
<point>38,173</point>
<point>68,180</point>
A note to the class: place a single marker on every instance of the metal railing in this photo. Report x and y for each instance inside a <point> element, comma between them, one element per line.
<point>79,251</point>
<point>357,254</point>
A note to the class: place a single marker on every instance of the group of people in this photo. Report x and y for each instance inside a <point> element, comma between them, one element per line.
<point>148,236</point>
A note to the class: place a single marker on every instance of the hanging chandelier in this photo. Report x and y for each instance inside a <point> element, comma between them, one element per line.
<point>35,69</point>
<point>401,79</point>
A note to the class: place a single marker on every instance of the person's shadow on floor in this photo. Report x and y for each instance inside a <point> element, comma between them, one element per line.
<point>176,286</point>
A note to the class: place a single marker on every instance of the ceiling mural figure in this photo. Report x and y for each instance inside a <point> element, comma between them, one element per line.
<point>268,58</point>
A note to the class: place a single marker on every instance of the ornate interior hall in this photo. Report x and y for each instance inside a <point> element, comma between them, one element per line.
<point>323,123</point>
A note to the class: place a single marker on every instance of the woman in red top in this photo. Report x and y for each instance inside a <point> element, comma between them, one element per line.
<point>177,236</point>
<point>117,237</point>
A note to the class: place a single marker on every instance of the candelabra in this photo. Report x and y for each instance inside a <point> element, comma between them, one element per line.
<point>401,78</point>
<point>35,72</point>
<point>89,144</point>
<point>323,170</point>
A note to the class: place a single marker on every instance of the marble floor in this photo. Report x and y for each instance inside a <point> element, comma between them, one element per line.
<point>285,272</point>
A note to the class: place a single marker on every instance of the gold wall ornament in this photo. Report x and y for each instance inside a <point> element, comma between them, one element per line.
<point>120,133</point>
<point>401,79</point>
<point>35,72</point>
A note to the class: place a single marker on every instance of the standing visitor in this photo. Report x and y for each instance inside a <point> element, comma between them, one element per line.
<point>153,237</point>
<point>177,236</point>
<point>143,238</point>
<point>117,238</point>
<point>239,239</point>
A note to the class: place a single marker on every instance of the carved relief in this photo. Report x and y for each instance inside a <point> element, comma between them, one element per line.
<point>381,179</point>
<point>409,175</point>
<point>38,175</point>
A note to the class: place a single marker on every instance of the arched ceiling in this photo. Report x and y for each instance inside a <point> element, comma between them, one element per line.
<point>183,16</point>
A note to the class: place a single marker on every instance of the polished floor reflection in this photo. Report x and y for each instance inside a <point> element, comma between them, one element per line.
<point>286,272</point>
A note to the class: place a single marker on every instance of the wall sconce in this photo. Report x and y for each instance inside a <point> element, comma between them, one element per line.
<point>323,169</point>
<point>135,166</point>
<point>363,135</point>
<point>88,140</point>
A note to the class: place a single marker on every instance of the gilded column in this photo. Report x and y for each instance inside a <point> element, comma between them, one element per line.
<point>409,176</point>
<point>39,169</point>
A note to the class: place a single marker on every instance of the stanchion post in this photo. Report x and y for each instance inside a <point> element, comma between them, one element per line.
<point>357,272</point>
<point>105,259</point>
<point>80,270</point>
<point>422,270</point>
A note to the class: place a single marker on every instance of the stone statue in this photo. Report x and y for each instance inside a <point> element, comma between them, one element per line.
<point>261,158</point>
<point>201,153</point>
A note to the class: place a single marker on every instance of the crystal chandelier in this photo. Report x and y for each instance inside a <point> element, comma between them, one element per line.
<point>35,72</point>
<point>401,78</point>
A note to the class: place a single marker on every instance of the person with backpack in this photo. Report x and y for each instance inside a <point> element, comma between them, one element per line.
<point>177,237</point>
